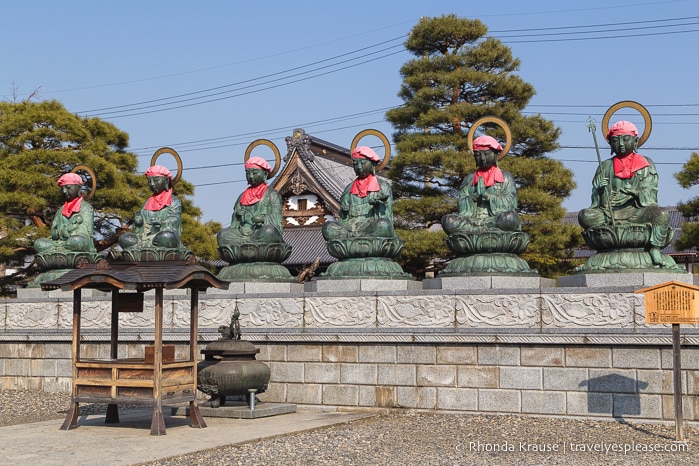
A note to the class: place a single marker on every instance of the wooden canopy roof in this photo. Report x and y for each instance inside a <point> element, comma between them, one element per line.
<point>137,276</point>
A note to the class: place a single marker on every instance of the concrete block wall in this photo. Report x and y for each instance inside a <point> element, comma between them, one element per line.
<point>585,381</point>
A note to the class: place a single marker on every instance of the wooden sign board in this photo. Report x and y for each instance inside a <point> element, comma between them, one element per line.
<point>671,303</point>
<point>130,302</point>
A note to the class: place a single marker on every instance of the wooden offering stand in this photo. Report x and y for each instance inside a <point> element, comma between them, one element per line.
<point>154,380</point>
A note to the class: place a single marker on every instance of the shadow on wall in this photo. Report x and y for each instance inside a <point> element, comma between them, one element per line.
<point>614,395</point>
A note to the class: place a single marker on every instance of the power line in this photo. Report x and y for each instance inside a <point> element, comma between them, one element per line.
<point>253,91</point>
<point>142,104</point>
<point>623,36</point>
<point>204,143</point>
<point>153,105</point>
<point>685,149</point>
<point>281,128</point>
<point>613,25</point>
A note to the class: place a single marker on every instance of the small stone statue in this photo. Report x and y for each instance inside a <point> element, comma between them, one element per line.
<point>307,272</point>
<point>232,331</point>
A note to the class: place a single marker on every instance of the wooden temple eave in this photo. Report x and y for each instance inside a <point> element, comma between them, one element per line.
<point>135,277</point>
<point>197,281</point>
<point>100,282</point>
<point>296,178</point>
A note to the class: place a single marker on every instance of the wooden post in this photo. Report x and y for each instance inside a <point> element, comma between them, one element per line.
<point>112,416</point>
<point>72,416</point>
<point>195,417</point>
<point>157,426</point>
<point>194,327</point>
<point>677,382</point>
<point>114,346</point>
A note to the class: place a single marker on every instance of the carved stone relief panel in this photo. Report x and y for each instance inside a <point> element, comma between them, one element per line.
<point>639,306</point>
<point>498,311</point>
<point>65,315</point>
<point>32,315</point>
<point>415,311</point>
<point>331,312</point>
<point>214,312</point>
<point>588,310</point>
<point>254,312</point>
<point>95,315</point>
<point>266,312</point>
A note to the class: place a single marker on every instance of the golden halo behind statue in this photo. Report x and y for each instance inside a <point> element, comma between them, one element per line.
<point>167,150</point>
<point>271,145</point>
<point>491,119</point>
<point>92,177</point>
<point>647,121</point>
<point>378,134</point>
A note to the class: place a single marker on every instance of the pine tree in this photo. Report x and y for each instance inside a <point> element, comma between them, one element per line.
<point>458,76</point>
<point>40,141</point>
<point>688,177</point>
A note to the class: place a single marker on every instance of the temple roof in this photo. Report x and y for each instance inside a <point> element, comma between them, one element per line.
<point>332,175</point>
<point>307,244</point>
<point>329,165</point>
<point>320,167</point>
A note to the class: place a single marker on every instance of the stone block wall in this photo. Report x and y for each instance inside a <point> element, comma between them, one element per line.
<point>546,351</point>
<point>560,380</point>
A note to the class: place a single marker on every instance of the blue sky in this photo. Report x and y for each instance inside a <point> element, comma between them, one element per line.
<point>240,71</point>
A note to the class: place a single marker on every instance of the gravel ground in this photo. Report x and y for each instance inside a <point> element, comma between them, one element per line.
<point>422,438</point>
<point>25,406</point>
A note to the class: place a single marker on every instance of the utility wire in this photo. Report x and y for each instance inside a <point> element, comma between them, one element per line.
<point>155,103</point>
<point>216,143</point>
<point>282,128</point>
<point>623,36</point>
<point>140,105</point>
<point>253,91</point>
<point>613,25</point>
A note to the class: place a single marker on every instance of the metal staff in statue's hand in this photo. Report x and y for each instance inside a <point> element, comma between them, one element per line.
<point>593,128</point>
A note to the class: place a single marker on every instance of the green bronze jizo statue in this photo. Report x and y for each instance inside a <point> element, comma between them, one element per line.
<point>158,224</point>
<point>71,242</point>
<point>624,223</point>
<point>253,243</point>
<point>487,197</point>
<point>72,227</point>
<point>366,205</point>
<point>257,214</point>
<point>363,236</point>
<point>486,233</point>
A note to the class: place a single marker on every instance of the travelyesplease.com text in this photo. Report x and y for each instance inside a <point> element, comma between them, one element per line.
<point>572,447</point>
